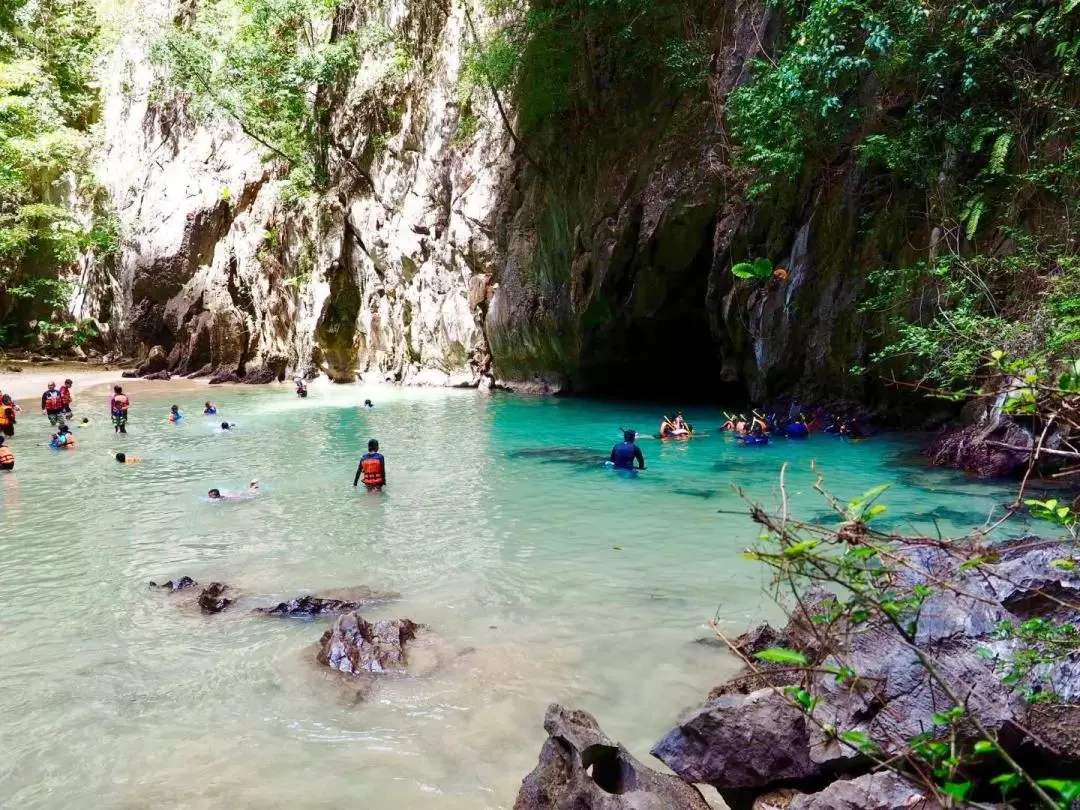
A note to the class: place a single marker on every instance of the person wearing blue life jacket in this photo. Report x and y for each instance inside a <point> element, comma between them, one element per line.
<point>174,415</point>
<point>756,435</point>
<point>626,452</point>
<point>798,430</point>
<point>209,409</point>
<point>63,439</point>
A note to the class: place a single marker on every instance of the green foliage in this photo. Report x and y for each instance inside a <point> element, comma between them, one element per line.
<point>759,268</point>
<point>265,64</point>
<point>48,101</point>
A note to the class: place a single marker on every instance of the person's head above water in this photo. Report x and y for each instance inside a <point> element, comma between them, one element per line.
<point>214,494</point>
<point>368,403</point>
<point>117,389</point>
<point>64,429</point>
<point>225,426</point>
<point>86,420</point>
<point>373,446</point>
<point>121,457</point>
<point>175,409</point>
<point>629,436</point>
<point>208,404</point>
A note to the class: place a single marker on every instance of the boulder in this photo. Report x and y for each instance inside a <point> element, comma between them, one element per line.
<point>973,448</point>
<point>156,361</point>
<point>262,376</point>
<point>355,646</point>
<point>213,598</point>
<point>158,375</point>
<point>877,791</point>
<point>130,373</point>
<point>312,607</point>
<point>181,584</point>
<point>581,767</point>
<point>225,377</point>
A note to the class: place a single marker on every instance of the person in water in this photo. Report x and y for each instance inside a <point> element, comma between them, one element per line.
<point>626,452</point>
<point>7,457</point>
<point>368,403</point>
<point>7,416</point>
<point>174,415</point>
<point>123,459</point>
<point>52,405</point>
<point>65,397</point>
<point>63,439</point>
<point>209,409</point>
<point>228,425</point>
<point>118,407</point>
<point>301,388</point>
<point>218,495</point>
<point>372,467</point>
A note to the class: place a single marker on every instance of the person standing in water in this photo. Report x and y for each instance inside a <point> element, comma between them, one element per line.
<point>372,468</point>
<point>7,458</point>
<point>52,405</point>
<point>209,409</point>
<point>174,415</point>
<point>7,416</point>
<point>626,452</point>
<point>65,397</point>
<point>118,407</point>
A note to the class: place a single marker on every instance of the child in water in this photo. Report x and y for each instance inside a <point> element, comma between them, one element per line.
<point>174,415</point>
<point>125,460</point>
<point>209,409</point>
<point>63,439</point>
<point>218,495</point>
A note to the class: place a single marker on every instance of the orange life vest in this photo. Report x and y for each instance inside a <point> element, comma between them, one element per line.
<point>372,472</point>
<point>7,415</point>
<point>6,456</point>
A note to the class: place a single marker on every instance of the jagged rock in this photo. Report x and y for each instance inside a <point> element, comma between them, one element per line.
<point>157,360</point>
<point>318,606</point>
<point>129,373</point>
<point>744,744</point>
<point>181,584</point>
<point>225,377</point>
<point>879,791</point>
<point>261,377</point>
<point>355,646</point>
<point>581,767</point>
<point>967,448</point>
<point>159,375</point>
<point>213,599</point>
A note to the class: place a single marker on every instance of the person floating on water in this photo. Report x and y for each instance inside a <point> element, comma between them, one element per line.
<point>118,407</point>
<point>65,397</point>
<point>7,416</point>
<point>174,415</point>
<point>7,457</point>
<point>228,425</point>
<point>123,459</point>
<point>372,468</point>
<point>218,495</point>
<point>676,428</point>
<point>63,439</point>
<point>626,452</point>
<point>209,409</point>
<point>85,422</point>
<point>52,405</point>
<point>798,429</point>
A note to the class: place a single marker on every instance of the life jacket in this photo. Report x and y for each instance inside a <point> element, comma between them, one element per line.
<point>372,472</point>
<point>65,395</point>
<point>54,401</point>
<point>7,415</point>
<point>120,403</point>
<point>6,456</point>
<point>63,440</point>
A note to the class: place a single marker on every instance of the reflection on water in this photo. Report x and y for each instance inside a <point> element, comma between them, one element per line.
<point>546,581</point>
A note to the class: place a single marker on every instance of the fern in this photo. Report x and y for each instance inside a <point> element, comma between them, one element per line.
<point>999,154</point>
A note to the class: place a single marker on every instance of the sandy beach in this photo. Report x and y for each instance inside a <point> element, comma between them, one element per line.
<point>88,381</point>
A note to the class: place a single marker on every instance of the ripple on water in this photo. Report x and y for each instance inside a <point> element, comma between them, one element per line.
<point>545,576</point>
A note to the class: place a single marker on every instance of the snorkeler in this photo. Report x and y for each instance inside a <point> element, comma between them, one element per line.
<point>174,415</point>
<point>7,457</point>
<point>123,459</point>
<point>626,452</point>
<point>118,408</point>
<point>209,409</point>
<point>372,467</point>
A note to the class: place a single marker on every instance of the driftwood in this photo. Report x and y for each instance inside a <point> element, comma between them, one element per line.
<point>1029,450</point>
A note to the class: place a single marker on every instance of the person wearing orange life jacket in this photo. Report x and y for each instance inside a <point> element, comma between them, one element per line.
<point>372,467</point>
<point>7,416</point>
<point>63,439</point>
<point>65,397</point>
<point>7,458</point>
<point>118,408</point>
<point>52,405</point>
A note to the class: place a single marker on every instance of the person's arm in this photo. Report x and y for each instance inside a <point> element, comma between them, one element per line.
<point>640,457</point>
<point>43,403</point>
<point>356,478</point>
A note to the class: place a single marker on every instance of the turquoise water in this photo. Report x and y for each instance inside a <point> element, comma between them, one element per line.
<point>546,577</point>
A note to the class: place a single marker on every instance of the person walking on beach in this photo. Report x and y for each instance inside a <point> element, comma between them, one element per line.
<point>118,407</point>
<point>372,468</point>
<point>52,405</point>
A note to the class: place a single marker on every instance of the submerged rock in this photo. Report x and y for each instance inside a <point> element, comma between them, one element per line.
<point>181,584</point>
<point>581,767</point>
<point>355,646</point>
<point>313,606</point>
<point>213,599</point>
<point>748,738</point>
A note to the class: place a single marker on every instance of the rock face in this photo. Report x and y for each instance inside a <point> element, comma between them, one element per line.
<point>312,607</point>
<point>355,646</point>
<point>581,767</point>
<point>749,739</point>
<point>975,448</point>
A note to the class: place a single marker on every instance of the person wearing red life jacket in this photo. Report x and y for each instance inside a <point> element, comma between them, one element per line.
<point>52,405</point>
<point>65,397</point>
<point>372,468</point>
<point>118,408</point>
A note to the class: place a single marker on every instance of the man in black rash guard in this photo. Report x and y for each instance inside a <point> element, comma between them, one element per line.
<point>626,452</point>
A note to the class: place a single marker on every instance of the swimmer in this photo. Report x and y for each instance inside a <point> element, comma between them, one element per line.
<point>125,460</point>
<point>368,403</point>
<point>624,454</point>
<point>174,414</point>
<point>85,421</point>
<point>209,409</point>
<point>218,495</point>
<point>227,425</point>
<point>372,467</point>
<point>63,439</point>
<point>7,457</point>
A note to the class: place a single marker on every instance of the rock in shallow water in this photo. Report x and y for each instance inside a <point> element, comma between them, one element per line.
<point>311,606</point>
<point>213,599</point>
<point>581,767</point>
<point>355,646</point>
<point>181,584</point>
